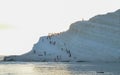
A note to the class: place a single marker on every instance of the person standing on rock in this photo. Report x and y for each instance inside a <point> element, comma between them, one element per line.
<point>44,53</point>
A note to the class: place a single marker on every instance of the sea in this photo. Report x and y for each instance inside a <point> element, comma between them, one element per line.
<point>59,68</point>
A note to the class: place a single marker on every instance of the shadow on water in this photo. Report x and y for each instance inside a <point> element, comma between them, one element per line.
<point>94,68</point>
<point>58,68</point>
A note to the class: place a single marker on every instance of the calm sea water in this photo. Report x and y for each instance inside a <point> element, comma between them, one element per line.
<point>53,68</point>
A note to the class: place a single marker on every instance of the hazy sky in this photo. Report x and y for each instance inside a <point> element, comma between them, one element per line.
<point>22,22</point>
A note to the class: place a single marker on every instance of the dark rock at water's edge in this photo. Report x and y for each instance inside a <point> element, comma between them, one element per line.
<point>100,72</point>
<point>9,58</point>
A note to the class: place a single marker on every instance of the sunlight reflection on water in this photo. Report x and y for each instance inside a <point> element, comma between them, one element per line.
<point>51,68</point>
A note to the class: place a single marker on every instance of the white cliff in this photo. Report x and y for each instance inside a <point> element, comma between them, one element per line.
<point>97,39</point>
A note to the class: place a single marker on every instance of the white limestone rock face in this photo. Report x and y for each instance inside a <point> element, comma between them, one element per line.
<point>97,39</point>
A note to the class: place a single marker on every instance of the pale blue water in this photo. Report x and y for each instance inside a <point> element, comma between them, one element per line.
<point>53,68</point>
